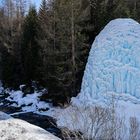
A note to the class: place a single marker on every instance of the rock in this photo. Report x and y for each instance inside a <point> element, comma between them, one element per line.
<point>4,116</point>
<point>15,129</point>
<point>45,122</point>
<point>9,109</point>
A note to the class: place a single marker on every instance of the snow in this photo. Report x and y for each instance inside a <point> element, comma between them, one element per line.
<point>21,87</point>
<point>11,129</point>
<point>29,103</point>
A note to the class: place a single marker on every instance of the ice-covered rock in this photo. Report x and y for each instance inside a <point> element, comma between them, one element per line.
<point>114,63</point>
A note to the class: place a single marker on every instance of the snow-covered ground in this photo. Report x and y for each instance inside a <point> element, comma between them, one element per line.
<point>15,129</point>
<point>29,103</point>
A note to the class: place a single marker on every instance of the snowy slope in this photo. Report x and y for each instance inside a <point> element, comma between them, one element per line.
<point>15,129</point>
<point>114,63</point>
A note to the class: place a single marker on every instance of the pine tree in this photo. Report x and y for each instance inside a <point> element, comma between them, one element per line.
<point>43,12</point>
<point>45,41</point>
<point>30,49</point>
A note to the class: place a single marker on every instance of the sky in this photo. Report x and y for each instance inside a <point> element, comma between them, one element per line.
<point>37,3</point>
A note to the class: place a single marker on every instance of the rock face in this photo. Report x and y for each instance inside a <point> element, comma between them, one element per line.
<point>114,62</point>
<point>15,129</point>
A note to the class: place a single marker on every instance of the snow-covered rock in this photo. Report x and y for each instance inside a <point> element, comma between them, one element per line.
<point>114,64</point>
<point>15,129</point>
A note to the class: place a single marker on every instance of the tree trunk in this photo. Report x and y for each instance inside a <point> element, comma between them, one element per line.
<point>73,45</point>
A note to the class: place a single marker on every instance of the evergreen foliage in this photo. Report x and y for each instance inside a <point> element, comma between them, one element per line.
<point>30,50</point>
<point>51,46</point>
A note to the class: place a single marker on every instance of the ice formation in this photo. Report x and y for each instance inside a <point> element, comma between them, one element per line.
<point>114,63</point>
<point>112,70</point>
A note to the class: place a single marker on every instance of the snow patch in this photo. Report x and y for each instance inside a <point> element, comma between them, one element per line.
<point>29,103</point>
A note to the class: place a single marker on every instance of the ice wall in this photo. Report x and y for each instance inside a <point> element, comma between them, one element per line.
<point>114,62</point>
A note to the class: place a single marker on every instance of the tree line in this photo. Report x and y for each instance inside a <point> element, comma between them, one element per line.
<point>51,45</point>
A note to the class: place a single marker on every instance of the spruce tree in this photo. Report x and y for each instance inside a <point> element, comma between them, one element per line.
<point>30,49</point>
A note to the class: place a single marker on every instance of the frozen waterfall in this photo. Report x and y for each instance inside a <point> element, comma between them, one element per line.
<point>114,62</point>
